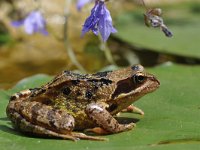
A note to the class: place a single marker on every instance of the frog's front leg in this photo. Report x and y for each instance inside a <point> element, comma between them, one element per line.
<point>98,113</point>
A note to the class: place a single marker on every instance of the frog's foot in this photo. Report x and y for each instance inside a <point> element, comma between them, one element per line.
<point>101,131</point>
<point>97,130</point>
<point>133,109</point>
<point>87,137</point>
<point>105,120</point>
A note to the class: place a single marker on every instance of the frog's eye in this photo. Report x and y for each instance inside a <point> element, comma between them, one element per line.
<point>139,78</point>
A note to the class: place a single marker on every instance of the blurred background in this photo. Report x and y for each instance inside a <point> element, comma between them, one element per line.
<point>23,55</point>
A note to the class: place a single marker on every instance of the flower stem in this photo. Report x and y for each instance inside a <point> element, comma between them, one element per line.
<point>107,52</point>
<point>69,49</point>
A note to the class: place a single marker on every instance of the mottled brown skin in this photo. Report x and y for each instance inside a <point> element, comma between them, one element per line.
<point>74,102</point>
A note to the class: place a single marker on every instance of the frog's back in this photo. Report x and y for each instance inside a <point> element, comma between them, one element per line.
<point>81,88</point>
<point>72,92</point>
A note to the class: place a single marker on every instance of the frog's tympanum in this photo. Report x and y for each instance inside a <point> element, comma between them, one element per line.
<point>72,102</point>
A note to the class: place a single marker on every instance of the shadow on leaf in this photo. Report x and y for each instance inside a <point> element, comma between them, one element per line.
<point>10,130</point>
<point>126,120</point>
<point>178,141</point>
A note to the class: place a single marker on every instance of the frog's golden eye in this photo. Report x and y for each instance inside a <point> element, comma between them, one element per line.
<point>139,78</point>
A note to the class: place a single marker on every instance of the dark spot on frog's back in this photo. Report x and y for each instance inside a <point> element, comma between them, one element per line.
<point>105,81</point>
<point>66,72</point>
<point>102,74</point>
<point>47,102</point>
<point>13,97</point>
<point>88,94</point>
<point>75,82</point>
<point>102,81</point>
<point>74,75</point>
<point>66,91</point>
<point>34,89</point>
<point>37,91</point>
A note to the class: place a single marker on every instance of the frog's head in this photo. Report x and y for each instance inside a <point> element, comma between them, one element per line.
<point>134,85</point>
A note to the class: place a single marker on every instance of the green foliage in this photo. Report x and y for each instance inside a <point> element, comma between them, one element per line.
<point>4,34</point>
<point>171,119</point>
<point>195,8</point>
<point>31,82</point>
<point>5,38</point>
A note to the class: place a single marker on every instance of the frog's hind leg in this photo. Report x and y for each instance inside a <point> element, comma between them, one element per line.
<point>29,128</point>
<point>39,119</point>
<point>36,118</point>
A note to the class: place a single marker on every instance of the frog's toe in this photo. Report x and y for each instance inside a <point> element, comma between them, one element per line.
<point>130,126</point>
<point>133,109</point>
<point>64,136</point>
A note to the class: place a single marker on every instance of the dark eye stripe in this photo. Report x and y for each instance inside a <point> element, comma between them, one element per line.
<point>124,86</point>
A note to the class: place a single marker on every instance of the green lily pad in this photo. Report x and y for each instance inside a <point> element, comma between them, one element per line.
<point>182,19</point>
<point>171,119</point>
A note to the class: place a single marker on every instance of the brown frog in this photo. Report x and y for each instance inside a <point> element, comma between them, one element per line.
<point>73,102</point>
